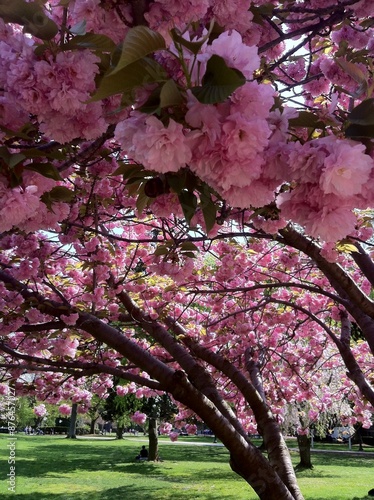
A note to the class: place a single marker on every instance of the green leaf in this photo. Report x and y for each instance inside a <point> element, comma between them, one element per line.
<point>13,133</point>
<point>260,13</point>
<point>128,170</point>
<point>346,247</point>
<point>352,69</point>
<point>177,182</point>
<point>11,160</point>
<point>31,16</point>
<point>219,81</point>
<point>45,169</point>
<point>188,203</point>
<point>142,200</point>
<point>209,210</point>
<point>135,75</point>
<point>161,250</point>
<point>152,104</point>
<point>57,194</point>
<point>170,95</point>
<point>4,154</point>
<point>189,254</point>
<point>359,132</point>
<point>52,153</point>
<point>61,193</point>
<point>363,114</point>
<point>15,159</point>
<point>188,246</point>
<point>91,41</point>
<point>139,42</point>
<point>193,47</point>
<point>306,119</point>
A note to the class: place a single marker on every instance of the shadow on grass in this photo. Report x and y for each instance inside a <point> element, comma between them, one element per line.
<point>54,458</point>
<point>134,492</point>
<point>342,460</point>
<point>337,498</point>
<point>124,493</point>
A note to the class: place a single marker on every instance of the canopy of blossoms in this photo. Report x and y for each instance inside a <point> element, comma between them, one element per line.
<point>186,198</point>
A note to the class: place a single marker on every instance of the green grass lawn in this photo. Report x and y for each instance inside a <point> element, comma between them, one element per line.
<point>53,468</point>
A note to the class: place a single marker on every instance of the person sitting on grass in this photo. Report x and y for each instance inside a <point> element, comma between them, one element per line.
<point>143,455</point>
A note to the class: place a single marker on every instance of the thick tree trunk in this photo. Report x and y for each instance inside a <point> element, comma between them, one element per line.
<point>73,422</point>
<point>153,439</point>
<point>119,431</point>
<point>258,473</point>
<point>304,443</point>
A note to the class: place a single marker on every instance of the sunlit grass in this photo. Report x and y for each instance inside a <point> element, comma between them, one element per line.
<point>53,468</point>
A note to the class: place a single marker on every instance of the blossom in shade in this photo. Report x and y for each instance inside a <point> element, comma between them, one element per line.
<point>165,428</point>
<point>121,390</point>
<point>139,418</point>
<point>173,436</point>
<point>71,319</point>
<point>40,410</point>
<point>4,389</point>
<point>191,429</point>
<point>64,409</point>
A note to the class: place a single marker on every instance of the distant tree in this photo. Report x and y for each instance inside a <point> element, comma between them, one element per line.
<point>157,408</point>
<point>95,410</point>
<point>118,409</point>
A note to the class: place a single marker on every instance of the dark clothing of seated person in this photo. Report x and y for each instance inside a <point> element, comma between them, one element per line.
<point>143,455</point>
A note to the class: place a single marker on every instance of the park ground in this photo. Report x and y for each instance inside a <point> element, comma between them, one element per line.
<point>99,468</point>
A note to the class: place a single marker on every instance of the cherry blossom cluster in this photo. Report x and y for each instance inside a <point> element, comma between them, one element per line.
<point>139,418</point>
<point>40,410</point>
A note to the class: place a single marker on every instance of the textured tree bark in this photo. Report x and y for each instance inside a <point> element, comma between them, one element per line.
<point>119,432</point>
<point>73,422</point>
<point>303,442</point>
<point>153,440</point>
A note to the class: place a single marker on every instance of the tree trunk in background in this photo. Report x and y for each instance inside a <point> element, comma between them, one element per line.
<point>92,425</point>
<point>153,440</point>
<point>73,422</point>
<point>304,442</point>
<point>119,431</point>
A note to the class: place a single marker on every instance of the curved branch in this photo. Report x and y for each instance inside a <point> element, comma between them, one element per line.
<point>354,371</point>
<point>281,284</point>
<point>336,17</point>
<point>77,368</point>
<point>339,279</point>
<point>275,444</point>
<point>364,262</point>
<point>197,375</point>
<point>89,151</point>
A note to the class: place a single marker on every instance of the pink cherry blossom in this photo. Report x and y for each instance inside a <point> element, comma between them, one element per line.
<point>191,429</point>
<point>346,169</point>
<point>121,390</point>
<point>148,141</point>
<point>71,319</point>
<point>40,410</point>
<point>165,428</point>
<point>139,418</point>
<point>4,389</point>
<point>237,55</point>
<point>174,436</point>
<point>64,409</point>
